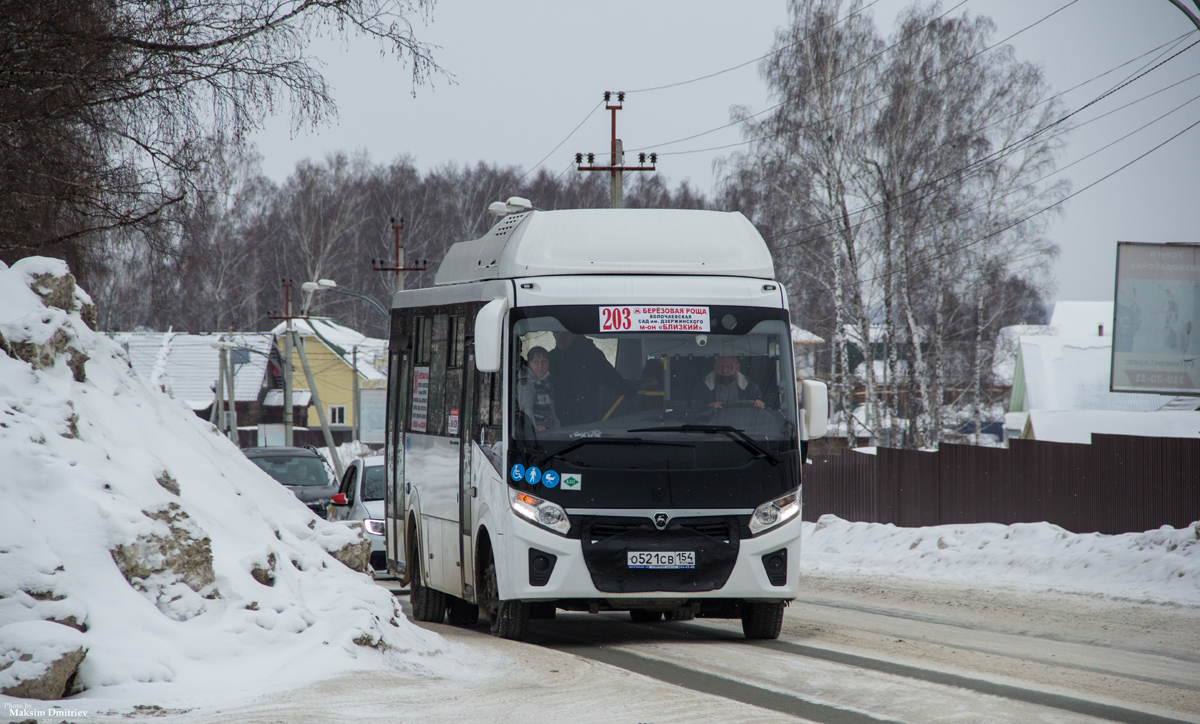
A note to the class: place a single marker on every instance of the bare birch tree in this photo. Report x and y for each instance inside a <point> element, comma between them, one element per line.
<point>919,163</point>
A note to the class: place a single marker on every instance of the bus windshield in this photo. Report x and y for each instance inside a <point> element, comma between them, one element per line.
<point>573,384</point>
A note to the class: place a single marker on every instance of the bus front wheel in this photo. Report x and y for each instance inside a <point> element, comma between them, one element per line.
<point>762,620</point>
<point>507,619</point>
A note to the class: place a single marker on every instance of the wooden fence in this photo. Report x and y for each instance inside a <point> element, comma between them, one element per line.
<point>1118,484</point>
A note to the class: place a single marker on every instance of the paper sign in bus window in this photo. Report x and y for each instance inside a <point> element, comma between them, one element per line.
<point>654,318</point>
<point>420,398</point>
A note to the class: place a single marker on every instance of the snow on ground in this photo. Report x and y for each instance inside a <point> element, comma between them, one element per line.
<point>1158,565</point>
<point>134,532</point>
<point>101,469</point>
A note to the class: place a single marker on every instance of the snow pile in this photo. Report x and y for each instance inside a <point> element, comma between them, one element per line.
<point>1158,565</point>
<point>140,543</point>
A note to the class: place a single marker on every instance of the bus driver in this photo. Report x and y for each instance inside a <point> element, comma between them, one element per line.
<point>726,384</point>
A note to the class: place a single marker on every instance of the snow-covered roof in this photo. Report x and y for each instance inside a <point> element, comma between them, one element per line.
<point>803,336</point>
<point>1072,373</point>
<point>608,241</point>
<point>300,398</point>
<point>1082,319</point>
<point>187,365</point>
<point>1079,425</point>
<point>341,340</point>
<point>1004,361</point>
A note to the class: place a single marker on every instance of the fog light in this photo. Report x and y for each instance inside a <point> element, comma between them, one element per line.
<point>541,565</point>
<point>775,564</point>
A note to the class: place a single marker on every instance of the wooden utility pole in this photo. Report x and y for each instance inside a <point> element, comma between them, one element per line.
<point>287,317</point>
<point>616,167</point>
<point>316,400</point>
<point>356,395</point>
<point>231,409</point>
<point>398,267</point>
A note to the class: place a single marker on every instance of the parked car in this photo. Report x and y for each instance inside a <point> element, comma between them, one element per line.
<point>303,471</point>
<point>360,497</point>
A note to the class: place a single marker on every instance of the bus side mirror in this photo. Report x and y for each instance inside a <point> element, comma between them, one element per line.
<point>814,409</point>
<point>489,335</point>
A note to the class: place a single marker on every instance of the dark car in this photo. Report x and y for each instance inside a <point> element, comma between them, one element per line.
<point>301,470</point>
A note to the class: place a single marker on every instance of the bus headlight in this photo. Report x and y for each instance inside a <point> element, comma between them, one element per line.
<point>775,512</point>
<point>543,512</point>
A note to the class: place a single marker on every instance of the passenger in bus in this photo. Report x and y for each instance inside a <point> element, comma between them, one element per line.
<point>726,384</point>
<point>535,391</point>
<point>582,371</point>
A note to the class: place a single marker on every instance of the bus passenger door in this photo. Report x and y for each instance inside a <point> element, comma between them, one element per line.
<point>466,494</point>
<point>396,500</point>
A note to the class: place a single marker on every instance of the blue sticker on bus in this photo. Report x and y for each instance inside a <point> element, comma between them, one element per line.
<point>532,475</point>
<point>518,472</point>
<point>550,479</point>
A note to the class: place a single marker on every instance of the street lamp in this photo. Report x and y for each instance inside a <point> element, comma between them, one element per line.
<point>330,285</point>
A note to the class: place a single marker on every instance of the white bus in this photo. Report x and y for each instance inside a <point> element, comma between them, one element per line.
<point>653,468</point>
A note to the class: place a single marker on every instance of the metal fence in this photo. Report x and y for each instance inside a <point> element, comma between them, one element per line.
<point>1118,484</point>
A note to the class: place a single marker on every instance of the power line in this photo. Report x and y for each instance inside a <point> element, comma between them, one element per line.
<point>954,217</point>
<point>761,57</point>
<point>1041,102</point>
<point>871,58</point>
<point>560,143</point>
<point>1039,212</point>
<point>1014,147</point>
<point>693,80</point>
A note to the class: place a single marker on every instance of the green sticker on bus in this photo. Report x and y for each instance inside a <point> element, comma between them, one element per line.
<point>571,481</point>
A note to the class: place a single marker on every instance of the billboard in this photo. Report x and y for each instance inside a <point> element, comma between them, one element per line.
<point>1156,330</point>
<point>372,415</point>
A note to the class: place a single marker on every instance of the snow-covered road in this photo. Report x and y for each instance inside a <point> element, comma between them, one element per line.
<point>855,649</point>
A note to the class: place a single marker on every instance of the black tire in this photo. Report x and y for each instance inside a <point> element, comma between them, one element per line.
<point>506,619</point>
<point>427,604</point>
<point>641,615</point>
<point>762,620</point>
<point>681,615</point>
<point>462,612</point>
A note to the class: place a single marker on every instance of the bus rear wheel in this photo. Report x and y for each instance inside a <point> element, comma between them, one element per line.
<point>506,619</point>
<point>427,604</point>
<point>762,620</point>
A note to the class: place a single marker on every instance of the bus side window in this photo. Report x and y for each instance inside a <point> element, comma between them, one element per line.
<point>487,432</point>
<point>438,387</point>
<point>452,416</point>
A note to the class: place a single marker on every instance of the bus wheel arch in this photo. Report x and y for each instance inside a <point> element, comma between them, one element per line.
<point>507,619</point>
<point>428,605</point>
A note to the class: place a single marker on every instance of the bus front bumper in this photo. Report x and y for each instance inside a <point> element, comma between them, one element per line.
<point>753,576</point>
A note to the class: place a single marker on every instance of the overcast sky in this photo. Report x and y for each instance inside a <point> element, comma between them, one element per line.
<point>525,74</point>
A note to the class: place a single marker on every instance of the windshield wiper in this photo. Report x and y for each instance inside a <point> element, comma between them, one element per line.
<point>735,434</point>
<point>635,441</point>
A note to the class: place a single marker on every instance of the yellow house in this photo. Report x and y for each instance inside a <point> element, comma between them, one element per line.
<point>332,350</point>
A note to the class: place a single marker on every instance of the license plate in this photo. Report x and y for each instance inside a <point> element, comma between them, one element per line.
<point>662,559</point>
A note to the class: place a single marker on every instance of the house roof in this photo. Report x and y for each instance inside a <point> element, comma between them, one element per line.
<point>1004,361</point>
<point>803,336</point>
<point>341,340</point>
<point>186,365</point>
<point>1079,425</point>
<point>1082,319</point>
<point>1071,373</point>
<point>300,398</point>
